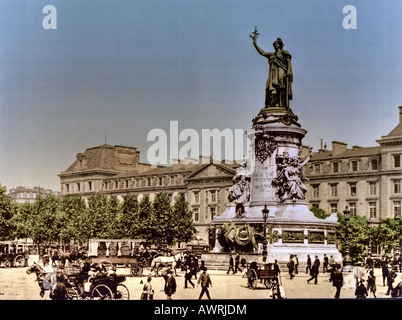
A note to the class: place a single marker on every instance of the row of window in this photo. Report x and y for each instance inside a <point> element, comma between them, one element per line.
<point>210,196</point>
<point>372,207</point>
<point>209,214</point>
<point>110,185</point>
<point>396,163</point>
<point>352,189</point>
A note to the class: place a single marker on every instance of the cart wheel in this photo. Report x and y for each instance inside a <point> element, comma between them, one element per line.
<point>136,270</point>
<point>101,292</point>
<point>7,264</point>
<point>122,292</point>
<point>268,283</point>
<point>72,294</point>
<point>254,285</point>
<point>107,264</point>
<point>19,261</point>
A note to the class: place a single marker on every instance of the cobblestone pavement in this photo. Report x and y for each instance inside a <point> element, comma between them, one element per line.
<point>15,284</point>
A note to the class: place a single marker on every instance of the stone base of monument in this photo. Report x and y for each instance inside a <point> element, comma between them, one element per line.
<point>292,229</point>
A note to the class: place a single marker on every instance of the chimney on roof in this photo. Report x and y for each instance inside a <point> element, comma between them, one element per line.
<point>338,147</point>
<point>400,114</point>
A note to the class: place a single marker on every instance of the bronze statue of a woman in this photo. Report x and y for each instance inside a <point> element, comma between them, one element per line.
<point>280,76</point>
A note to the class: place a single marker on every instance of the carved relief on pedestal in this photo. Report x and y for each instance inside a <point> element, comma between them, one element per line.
<point>289,181</point>
<point>265,145</point>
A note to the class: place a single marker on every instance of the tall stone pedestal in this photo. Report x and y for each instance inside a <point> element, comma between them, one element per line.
<point>276,181</point>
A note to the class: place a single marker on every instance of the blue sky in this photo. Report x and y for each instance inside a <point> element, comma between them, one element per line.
<point>126,67</point>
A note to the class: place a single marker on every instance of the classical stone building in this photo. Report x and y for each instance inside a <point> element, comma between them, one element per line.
<point>24,194</point>
<point>366,179</point>
<point>117,171</point>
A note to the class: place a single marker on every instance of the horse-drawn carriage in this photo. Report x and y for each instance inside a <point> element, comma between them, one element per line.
<point>264,273</point>
<point>13,254</point>
<point>105,287</point>
<point>94,283</point>
<point>125,252</point>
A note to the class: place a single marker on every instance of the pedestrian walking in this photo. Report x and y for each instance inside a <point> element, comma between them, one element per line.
<point>371,286</point>
<point>291,266</point>
<point>194,266</point>
<point>60,291</point>
<point>359,272</point>
<point>237,263</point>
<point>170,285</point>
<point>361,291</point>
<point>202,266</point>
<point>296,260</point>
<point>337,280</point>
<point>243,262</point>
<point>308,264</point>
<point>325,264</point>
<point>317,261</point>
<point>205,281</point>
<point>277,271</point>
<point>187,278</point>
<point>390,280</point>
<point>385,271</point>
<point>147,291</point>
<point>332,262</point>
<point>230,265</point>
<point>314,273</point>
<point>276,291</point>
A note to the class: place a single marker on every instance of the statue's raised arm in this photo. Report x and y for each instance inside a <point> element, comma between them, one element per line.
<point>254,35</point>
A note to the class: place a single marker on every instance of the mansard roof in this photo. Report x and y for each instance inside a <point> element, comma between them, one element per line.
<point>106,158</point>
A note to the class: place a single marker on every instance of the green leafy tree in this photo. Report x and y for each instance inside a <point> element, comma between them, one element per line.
<point>94,218</point>
<point>44,220</point>
<point>146,219</point>
<point>162,222</point>
<point>130,218</point>
<point>319,213</point>
<point>358,234</point>
<point>388,234</point>
<point>112,218</point>
<point>22,220</point>
<point>7,210</point>
<point>182,218</point>
<point>73,208</point>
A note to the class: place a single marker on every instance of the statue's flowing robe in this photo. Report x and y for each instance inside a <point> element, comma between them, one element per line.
<point>279,68</point>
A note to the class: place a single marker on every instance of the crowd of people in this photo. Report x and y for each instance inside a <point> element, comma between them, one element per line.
<point>365,279</point>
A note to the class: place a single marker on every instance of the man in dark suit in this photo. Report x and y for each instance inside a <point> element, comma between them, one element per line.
<point>230,265</point>
<point>291,266</point>
<point>308,266</point>
<point>337,280</point>
<point>170,285</point>
<point>205,281</point>
<point>237,263</point>
<point>314,273</point>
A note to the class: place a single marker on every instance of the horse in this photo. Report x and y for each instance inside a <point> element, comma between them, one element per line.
<point>46,277</point>
<point>166,261</point>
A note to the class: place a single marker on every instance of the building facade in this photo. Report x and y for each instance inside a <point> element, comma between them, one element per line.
<point>24,194</point>
<point>366,179</point>
<point>117,171</point>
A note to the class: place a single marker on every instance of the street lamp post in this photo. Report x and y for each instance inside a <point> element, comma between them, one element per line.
<point>346,259</point>
<point>265,213</point>
<point>370,224</point>
<point>398,220</point>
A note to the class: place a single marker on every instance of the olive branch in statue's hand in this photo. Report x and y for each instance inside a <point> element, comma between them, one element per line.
<point>254,35</point>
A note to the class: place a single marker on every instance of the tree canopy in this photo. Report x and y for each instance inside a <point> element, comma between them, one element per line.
<point>72,219</point>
